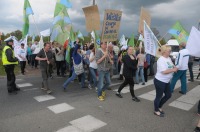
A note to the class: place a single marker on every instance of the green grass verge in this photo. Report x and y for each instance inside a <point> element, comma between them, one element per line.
<point>2,70</point>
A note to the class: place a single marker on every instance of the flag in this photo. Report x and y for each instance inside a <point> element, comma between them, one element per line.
<point>193,43</point>
<point>41,42</point>
<point>68,54</point>
<point>131,41</point>
<point>45,33</point>
<point>150,41</point>
<point>66,3</point>
<point>80,35</point>
<point>97,38</point>
<point>93,34</point>
<point>71,35</point>
<point>59,7</point>
<point>141,38</point>
<point>27,11</point>
<point>55,32</point>
<point>179,32</point>
<point>122,40</point>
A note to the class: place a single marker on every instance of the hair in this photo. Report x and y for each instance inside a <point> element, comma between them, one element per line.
<point>91,46</point>
<point>22,44</point>
<point>114,43</point>
<point>164,48</point>
<point>46,43</point>
<point>182,44</point>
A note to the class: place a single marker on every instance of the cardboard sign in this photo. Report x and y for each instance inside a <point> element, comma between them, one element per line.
<point>111,25</point>
<point>92,18</point>
<point>144,16</point>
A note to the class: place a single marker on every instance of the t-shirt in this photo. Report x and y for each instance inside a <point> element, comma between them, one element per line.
<point>93,63</point>
<point>141,59</point>
<point>41,54</point>
<point>162,65</point>
<point>22,53</point>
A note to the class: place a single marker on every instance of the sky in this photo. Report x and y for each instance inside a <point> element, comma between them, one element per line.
<point>164,13</point>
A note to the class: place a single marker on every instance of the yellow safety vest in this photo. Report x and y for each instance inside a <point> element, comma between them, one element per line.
<point>4,57</point>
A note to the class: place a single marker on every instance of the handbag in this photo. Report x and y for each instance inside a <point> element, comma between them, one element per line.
<point>78,69</point>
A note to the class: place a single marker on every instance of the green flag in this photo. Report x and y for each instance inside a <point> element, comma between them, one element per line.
<point>27,11</point>
<point>72,36</point>
<point>68,54</point>
<point>59,7</point>
<point>179,32</point>
<point>131,41</point>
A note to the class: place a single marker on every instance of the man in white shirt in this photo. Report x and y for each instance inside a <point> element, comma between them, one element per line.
<point>22,58</point>
<point>35,49</point>
<point>182,65</point>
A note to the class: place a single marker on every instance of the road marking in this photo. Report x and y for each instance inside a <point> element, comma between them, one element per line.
<point>59,108</point>
<point>31,89</point>
<point>69,129</point>
<point>24,85</point>
<point>19,79</point>
<point>186,102</point>
<point>44,98</point>
<point>87,123</point>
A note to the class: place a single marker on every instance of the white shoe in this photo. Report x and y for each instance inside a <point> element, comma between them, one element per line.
<point>89,86</point>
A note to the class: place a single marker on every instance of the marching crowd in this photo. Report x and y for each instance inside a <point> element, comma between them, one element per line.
<point>132,65</point>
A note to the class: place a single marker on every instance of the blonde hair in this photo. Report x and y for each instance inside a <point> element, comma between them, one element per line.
<point>165,48</point>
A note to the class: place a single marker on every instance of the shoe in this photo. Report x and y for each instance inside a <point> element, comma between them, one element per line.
<point>181,92</point>
<point>119,95</point>
<point>161,111</point>
<point>49,91</point>
<point>135,99</point>
<point>12,93</point>
<point>191,80</point>
<point>109,88</point>
<point>160,115</point>
<point>197,129</point>
<point>17,89</point>
<point>104,94</point>
<point>101,98</point>
<point>84,87</point>
<point>43,89</point>
<point>89,86</point>
<point>143,83</point>
<point>96,89</point>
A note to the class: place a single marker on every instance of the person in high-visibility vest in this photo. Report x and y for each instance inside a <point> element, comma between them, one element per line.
<point>9,61</point>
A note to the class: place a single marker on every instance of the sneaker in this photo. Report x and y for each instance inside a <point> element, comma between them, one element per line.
<point>96,89</point>
<point>109,88</point>
<point>101,98</point>
<point>89,86</point>
<point>43,88</point>
<point>49,91</point>
<point>181,92</point>
<point>135,99</point>
<point>143,83</point>
<point>103,94</point>
<point>191,80</point>
<point>119,95</point>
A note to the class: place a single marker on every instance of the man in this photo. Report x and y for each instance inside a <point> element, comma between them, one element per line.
<point>116,52</point>
<point>130,67</point>
<point>35,50</point>
<point>182,65</point>
<point>190,66</point>
<point>22,58</point>
<point>45,57</point>
<point>9,62</point>
<point>104,63</point>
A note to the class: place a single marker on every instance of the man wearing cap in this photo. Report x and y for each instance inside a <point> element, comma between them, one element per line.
<point>9,61</point>
<point>182,65</point>
<point>22,58</point>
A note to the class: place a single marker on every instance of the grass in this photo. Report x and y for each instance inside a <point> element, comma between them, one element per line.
<point>2,70</point>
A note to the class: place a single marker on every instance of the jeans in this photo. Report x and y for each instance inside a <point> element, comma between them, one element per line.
<point>180,74</point>
<point>66,83</point>
<point>101,86</point>
<point>190,65</point>
<point>141,70</point>
<point>93,77</point>
<point>161,88</point>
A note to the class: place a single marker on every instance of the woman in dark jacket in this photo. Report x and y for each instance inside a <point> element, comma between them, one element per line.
<point>130,66</point>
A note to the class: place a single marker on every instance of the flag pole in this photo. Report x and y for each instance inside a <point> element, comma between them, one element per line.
<point>163,36</point>
<point>36,25</point>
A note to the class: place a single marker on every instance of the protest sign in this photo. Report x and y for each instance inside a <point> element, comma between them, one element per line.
<point>144,16</point>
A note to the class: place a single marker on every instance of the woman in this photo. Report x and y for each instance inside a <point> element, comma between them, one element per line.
<point>59,54</point>
<point>165,69</point>
<point>92,68</point>
<point>130,66</point>
<point>141,59</point>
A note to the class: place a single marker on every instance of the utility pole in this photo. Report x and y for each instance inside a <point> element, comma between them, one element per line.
<point>93,2</point>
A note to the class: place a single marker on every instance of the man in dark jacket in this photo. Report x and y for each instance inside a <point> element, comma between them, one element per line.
<point>9,61</point>
<point>130,66</point>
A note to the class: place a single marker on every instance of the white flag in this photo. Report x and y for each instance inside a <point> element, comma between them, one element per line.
<point>141,38</point>
<point>193,43</point>
<point>45,33</point>
<point>41,43</point>
<point>122,41</point>
<point>93,34</point>
<point>150,41</point>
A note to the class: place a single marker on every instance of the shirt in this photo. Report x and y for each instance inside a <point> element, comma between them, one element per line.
<point>93,63</point>
<point>182,60</point>
<point>22,53</point>
<point>41,54</point>
<point>141,59</point>
<point>164,64</point>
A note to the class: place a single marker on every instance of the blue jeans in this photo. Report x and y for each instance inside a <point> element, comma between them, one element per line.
<point>101,86</point>
<point>93,77</point>
<point>66,83</point>
<point>141,70</point>
<point>180,74</point>
<point>161,88</point>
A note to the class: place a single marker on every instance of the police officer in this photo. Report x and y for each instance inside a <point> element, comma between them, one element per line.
<point>9,61</point>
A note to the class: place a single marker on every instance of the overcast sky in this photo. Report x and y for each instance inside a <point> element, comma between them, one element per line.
<point>164,14</point>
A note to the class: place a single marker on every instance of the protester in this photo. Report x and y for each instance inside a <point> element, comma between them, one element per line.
<point>45,57</point>
<point>182,65</point>
<point>165,69</point>
<point>141,59</point>
<point>104,63</point>
<point>130,67</point>
<point>190,66</point>
<point>29,54</point>
<point>9,62</point>
<point>116,52</point>
<point>122,53</point>
<point>59,55</point>
<point>152,61</point>
<point>35,50</point>
<point>77,62</point>
<point>111,54</point>
<point>146,67</point>
<point>22,58</point>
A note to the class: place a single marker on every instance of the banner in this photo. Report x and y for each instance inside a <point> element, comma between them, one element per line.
<point>193,43</point>
<point>92,18</point>
<point>45,33</point>
<point>144,16</point>
<point>111,25</point>
<point>150,41</point>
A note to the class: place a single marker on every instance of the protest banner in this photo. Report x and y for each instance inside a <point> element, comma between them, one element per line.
<point>92,18</point>
<point>144,16</point>
<point>111,25</point>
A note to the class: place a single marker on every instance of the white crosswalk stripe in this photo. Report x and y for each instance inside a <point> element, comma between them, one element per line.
<point>44,98</point>
<point>24,85</point>
<point>59,108</point>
